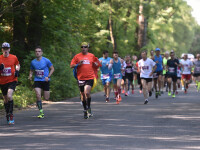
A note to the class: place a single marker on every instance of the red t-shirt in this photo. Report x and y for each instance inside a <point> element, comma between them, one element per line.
<point>96,68</point>
<point>84,71</point>
<point>8,73</point>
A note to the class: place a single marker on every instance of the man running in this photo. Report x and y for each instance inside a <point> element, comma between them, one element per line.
<point>164,77</point>
<point>85,75</point>
<point>172,66</point>
<point>146,68</point>
<point>158,72</point>
<point>106,74</point>
<point>186,65</point>
<point>197,71</point>
<point>116,65</point>
<point>129,75</point>
<point>40,67</point>
<point>9,71</point>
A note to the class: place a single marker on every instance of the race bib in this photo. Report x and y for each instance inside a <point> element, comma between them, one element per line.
<point>197,69</point>
<point>171,69</point>
<point>39,73</point>
<point>6,72</point>
<point>117,76</point>
<point>129,70</point>
<point>81,83</point>
<point>105,76</point>
<point>155,75</point>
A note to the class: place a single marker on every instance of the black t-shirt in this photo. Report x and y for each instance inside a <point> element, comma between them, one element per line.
<point>172,67</point>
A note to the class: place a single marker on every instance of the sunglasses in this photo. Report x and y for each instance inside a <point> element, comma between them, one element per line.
<point>83,46</point>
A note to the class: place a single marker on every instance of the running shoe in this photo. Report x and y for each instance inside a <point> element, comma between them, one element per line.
<point>117,101</point>
<point>85,114</point>
<point>169,93</point>
<point>146,101</point>
<point>159,93</point>
<point>41,115</point>
<point>182,88</point>
<point>89,113</point>
<point>107,100</point>
<point>126,94</point>
<point>156,94</point>
<point>150,94</point>
<point>140,91</point>
<point>173,95</point>
<point>185,91</point>
<point>11,120</point>
<point>119,98</point>
<point>123,91</point>
<point>132,91</point>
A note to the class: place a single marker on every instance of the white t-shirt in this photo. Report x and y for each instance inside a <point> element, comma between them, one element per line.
<point>146,67</point>
<point>187,66</point>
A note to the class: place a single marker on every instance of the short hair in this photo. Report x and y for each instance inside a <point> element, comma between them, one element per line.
<point>172,52</point>
<point>115,52</point>
<point>144,52</point>
<point>38,47</point>
<point>104,52</point>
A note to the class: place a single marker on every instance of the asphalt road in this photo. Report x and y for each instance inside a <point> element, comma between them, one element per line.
<point>164,123</point>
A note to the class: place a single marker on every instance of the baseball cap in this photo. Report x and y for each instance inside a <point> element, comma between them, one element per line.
<point>5,45</point>
<point>157,49</point>
<point>85,43</point>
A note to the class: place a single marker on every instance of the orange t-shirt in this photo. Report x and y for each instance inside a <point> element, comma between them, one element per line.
<point>84,71</point>
<point>8,73</point>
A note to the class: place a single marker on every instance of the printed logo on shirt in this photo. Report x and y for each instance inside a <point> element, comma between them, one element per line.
<point>145,67</point>
<point>171,69</point>
<point>86,62</point>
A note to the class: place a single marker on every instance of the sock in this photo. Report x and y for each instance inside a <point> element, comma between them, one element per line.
<point>84,105</point>
<point>116,93</point>
<point>39,104</point>
<point>10,107</point>
<point>119,91</point>
<point>6,106</point>
<point>88,102</point>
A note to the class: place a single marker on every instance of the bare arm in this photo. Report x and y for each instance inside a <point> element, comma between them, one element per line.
<point>30,75</point>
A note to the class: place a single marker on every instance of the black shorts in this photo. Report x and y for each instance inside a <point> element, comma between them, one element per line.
<point>129,76</point>
<point>124,78</point>
<point>82,83</point>
<point>178,78</point>
<point>147,79</point>
<point>196,74</point>
<point>174,77</point>
<point>42,85</point>
<point>158,74</point>
<point>5,87</point>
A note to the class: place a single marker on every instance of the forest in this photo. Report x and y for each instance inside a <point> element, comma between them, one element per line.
<point>59,27</point>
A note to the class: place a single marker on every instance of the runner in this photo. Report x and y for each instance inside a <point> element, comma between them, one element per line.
<point>158,72</point>
<point>172,65</point>
<point>146,68</point>
<point>129,75</point>
<point>186,65</point>
<point>164,77</point>
<point>197,71</point>
<point>106,74</point>
<point>40,67</point>
<point>134,58</point>
<point>115,64</point>
<point>123,83</point>
<point>178,78</point>
<point>9,71</point>
<point>85,74</point>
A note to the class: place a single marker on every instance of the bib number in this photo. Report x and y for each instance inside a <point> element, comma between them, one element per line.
<point>105,76</point>
<point>39,73</point>
<point>117,76</point>
<point>6,72</point>
<point>155,75</point>
<point>129,70</point>
<point>197,69</point>
<point>171,70</point>
<point>81,83</point>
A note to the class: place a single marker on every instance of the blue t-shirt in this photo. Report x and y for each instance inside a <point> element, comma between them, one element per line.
<point>159,64</point>
<point>41,68</point>
<point>104,69</point>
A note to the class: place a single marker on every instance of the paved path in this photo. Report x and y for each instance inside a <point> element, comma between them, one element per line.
<point>164,123</point>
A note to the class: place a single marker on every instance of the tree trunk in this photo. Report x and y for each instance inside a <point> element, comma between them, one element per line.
<point>111,31</point>
<point>19,28</point>
<point>34,31</point>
